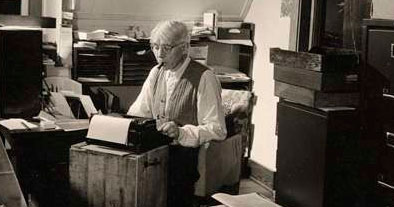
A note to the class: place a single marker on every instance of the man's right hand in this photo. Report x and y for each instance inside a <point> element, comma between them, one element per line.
<point>170,129</point>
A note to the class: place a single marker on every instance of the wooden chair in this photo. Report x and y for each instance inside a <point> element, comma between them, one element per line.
<point>219,162</point>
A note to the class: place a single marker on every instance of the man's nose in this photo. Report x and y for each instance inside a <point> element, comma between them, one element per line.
<point>161,53</point>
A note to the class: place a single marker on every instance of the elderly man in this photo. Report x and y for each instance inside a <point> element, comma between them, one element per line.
<point>184,97</point>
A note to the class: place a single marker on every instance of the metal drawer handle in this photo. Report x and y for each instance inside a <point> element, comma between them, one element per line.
<point>390,139</point>
<point>392,50</point>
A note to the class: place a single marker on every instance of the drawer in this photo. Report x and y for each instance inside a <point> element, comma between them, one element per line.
<point>387,160</point>
<point>386,194</point>
<point>381,42</point>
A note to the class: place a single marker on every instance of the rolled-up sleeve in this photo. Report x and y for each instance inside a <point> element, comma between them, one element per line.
<point>210,114</point>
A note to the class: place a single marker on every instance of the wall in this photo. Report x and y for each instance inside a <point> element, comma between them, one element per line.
<point>104,14</point>
<point>272,30</point>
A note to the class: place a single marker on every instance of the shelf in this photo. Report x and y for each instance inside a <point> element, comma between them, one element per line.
<point>236,42</point>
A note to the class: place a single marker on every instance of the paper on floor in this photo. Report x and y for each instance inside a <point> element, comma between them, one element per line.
<point>245,200</point>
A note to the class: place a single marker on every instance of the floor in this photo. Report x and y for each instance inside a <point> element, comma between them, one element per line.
<point>251,186</point>
<point>246,186</point>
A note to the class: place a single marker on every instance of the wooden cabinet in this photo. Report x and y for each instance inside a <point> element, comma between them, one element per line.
<point>106,177</point>
<point>322,161</point>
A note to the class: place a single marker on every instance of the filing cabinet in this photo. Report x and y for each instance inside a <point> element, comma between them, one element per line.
<point>378,97</point>
<point>322,159</point>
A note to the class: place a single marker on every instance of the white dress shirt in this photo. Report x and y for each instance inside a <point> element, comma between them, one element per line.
<point>210,115</point>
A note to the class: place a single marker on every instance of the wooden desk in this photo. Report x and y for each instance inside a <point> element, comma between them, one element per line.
<point>40,160</point>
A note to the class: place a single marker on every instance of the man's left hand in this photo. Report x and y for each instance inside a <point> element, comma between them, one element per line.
<point>170,129</point>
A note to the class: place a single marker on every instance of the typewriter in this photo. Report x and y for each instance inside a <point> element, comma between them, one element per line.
<point>136,133</point>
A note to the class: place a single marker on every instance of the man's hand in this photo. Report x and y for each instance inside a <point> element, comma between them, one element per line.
<point>170,129</point>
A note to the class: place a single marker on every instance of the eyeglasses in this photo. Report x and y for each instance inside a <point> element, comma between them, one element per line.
<point>165,48</point>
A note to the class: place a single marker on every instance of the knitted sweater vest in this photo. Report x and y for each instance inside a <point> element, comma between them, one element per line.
<point>182,107</point>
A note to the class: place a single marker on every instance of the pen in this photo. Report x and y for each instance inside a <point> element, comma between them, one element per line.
<point>25,125</point>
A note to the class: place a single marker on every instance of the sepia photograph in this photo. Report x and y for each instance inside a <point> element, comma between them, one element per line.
<point>174,103</point>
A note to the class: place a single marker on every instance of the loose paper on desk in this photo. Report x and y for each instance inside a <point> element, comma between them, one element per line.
<point>107,128</point>
<point>12,124</point>
<point>61,104</point>
<point>85,100</point>
<point>246,200</point>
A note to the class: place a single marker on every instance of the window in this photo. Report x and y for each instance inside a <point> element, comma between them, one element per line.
<point>330,23</point>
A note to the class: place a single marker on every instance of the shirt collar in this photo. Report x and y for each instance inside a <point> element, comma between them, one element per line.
<point>178,72</point>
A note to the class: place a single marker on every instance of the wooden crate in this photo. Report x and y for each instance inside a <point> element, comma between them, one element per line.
<point>327,82</point>
<point>105,178</point>
<point>312,98</point>
<point>323,60</point>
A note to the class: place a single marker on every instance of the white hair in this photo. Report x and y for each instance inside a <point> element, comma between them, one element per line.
<point>170,32</point>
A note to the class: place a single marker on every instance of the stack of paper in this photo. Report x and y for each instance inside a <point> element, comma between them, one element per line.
<point>13,124</point>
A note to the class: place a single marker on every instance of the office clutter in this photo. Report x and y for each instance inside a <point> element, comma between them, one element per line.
<point>135,31</point>
<point>105,100</point>
<point>113,62</point>
<point>63,96</point>
<point>324,78</point>
<point>231,58</point>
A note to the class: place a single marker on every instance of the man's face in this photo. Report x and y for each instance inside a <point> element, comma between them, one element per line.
<point>169,54</point>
